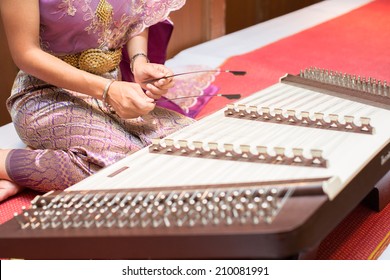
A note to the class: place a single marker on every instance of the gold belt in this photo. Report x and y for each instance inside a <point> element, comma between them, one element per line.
<point>95,61</point>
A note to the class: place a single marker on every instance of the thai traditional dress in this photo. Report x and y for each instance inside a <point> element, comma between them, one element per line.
<point>70,134</point>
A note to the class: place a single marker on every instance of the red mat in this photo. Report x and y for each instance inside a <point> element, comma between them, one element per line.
<point>15,204</point>
<point>355,43</point>
<point>363,235</point>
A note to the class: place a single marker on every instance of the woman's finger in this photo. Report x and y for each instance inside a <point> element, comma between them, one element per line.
<point>164,83</point>
<point>156,91</point>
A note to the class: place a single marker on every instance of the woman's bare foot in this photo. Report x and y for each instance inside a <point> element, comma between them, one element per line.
<point>8,189</point>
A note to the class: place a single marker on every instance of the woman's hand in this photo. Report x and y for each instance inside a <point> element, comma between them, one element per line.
<point>145,71</point>
<point>129,100</point>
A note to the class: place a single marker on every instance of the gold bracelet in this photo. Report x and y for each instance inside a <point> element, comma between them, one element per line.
<point>132,60</point>
<point>107,106</point>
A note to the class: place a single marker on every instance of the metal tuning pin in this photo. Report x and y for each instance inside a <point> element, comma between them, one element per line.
<point>155,209</point>
<point>386,91</point>
<point>367,85</point>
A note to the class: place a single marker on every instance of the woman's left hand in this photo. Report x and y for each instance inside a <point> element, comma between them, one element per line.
<point>146,71</point>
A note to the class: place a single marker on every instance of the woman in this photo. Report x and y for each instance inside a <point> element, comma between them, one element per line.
<point>68,102</point>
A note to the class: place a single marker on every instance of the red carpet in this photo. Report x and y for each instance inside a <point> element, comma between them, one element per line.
<point>15,204</point>
<point>355,43</point>
<point>362,235</point>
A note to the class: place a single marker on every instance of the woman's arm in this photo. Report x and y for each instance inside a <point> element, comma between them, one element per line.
<point>21,24</point>
<point>138,45</point>
<point>143,70</point>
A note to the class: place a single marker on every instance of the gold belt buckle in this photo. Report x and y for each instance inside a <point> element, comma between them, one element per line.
<point>95,61</point>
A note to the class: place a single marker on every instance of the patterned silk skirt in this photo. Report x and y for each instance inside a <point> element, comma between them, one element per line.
<point>70,135</point>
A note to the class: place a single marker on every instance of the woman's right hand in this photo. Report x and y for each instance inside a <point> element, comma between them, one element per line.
<point>129,100</point>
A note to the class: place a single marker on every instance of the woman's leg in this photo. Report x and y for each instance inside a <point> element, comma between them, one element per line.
<point>72,137</point>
